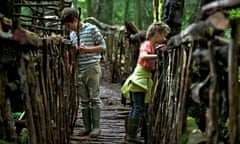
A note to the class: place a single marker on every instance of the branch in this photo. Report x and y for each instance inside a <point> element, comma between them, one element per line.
<point>203,30</point>
<point>5,20</point>
<point>21,35</point>
<point>138,37</point>
<point>221,4</point>
<point>103,26</point>
<point>46,18</point>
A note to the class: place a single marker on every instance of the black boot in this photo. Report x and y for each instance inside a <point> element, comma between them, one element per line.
<point>126,125</point>
<point>132,128</point>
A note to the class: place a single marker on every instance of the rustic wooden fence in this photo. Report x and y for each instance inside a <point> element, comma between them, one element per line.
<point>45,80</point>
<point>200,70</point>
<point>38,73</point>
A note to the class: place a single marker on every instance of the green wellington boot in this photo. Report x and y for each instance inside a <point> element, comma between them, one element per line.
<point>126,125</point>
<point>132,128</point>
<point>86,117</point>
<point>95,121</point>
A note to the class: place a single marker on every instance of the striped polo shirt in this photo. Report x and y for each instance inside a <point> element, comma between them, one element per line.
<point>90,36</point>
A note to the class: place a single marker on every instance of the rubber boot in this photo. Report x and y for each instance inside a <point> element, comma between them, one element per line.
<point>86,117</point>
<point>95,121</point>
<point>126,125</point>
<point>132,128</point>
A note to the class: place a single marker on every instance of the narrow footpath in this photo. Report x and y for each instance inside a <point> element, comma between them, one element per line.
<point>112,120</point>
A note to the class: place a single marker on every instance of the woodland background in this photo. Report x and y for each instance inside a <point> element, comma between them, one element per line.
<point>141,12</point>
<point>44,82</point>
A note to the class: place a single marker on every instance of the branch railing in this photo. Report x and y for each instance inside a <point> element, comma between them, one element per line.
<point>201,70</point>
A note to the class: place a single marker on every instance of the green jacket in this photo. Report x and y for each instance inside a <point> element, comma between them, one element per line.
<point>139,81</point>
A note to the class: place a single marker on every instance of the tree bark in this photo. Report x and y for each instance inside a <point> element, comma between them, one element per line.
<point>233,86</point>
<point>172,15</point>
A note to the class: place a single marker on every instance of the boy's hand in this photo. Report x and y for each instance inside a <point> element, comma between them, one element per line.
<point>81,48</point>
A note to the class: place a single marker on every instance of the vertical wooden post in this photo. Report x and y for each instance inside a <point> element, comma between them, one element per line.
<point>233,85</point>
<point>213,110</point>
<point>6,112</point>
<point>28,105</point>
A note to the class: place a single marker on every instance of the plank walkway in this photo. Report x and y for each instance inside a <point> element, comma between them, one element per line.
<point>112,121</point>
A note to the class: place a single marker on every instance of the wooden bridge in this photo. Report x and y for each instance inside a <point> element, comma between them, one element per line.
<point>48,87</point>
<point>112,118</point>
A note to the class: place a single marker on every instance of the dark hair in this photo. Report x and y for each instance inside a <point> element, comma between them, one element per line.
<point>157,27</point>
<point>68,14</point>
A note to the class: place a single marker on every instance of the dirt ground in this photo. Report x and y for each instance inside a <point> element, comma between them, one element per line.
<point>110,92</point>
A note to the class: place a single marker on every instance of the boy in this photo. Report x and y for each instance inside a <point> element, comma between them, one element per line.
<point>89,70</point>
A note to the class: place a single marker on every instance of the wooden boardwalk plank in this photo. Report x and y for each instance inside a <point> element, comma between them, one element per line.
<point>112,124</point>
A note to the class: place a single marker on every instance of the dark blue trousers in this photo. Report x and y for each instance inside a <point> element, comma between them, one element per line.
<point>137,99</point>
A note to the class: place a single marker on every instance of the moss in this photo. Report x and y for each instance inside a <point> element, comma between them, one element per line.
<point>191,124</point>
<point>24,136</point>
<point>192,134</point>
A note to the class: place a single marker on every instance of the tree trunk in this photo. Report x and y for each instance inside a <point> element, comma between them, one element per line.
<point>126,9</point>
<point>138,14</point>
<point>90,10</point>
<point>147,15</point>
<point>156,14</point>
<point>106,11</point>
<point>233,92</point>
<point>172,15</point>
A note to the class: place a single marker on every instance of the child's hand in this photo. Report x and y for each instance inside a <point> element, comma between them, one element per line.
<point>81,48</point>
<point>161,47</point>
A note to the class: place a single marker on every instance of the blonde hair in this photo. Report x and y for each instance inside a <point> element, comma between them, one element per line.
<point>159,27</point>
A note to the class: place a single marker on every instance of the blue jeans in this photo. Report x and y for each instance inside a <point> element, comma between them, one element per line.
<point>138,104</point>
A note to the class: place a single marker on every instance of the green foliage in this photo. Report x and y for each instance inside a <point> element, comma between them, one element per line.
<point>238,74</point>
<point>82,5</point>
<point>234,13</point>
<point>227,33</point>
<point>192,135</point>
<point>26,11</point>
<point>191,124</point>
<point>16,115</point>
<point>24,136</point>
<point>121,11</point>
<point>118,14</point>
<point>189,12</point>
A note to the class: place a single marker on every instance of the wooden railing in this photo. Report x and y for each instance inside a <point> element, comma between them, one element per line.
<point>198,77</point>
